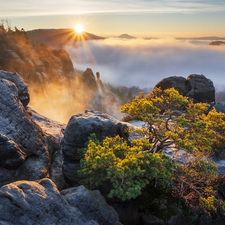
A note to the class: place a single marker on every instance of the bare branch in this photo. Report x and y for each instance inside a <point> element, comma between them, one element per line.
<point>194,188</point>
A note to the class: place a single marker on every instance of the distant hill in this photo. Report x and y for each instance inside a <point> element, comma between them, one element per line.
<point>217,43</point>
<point>57,38</point>
<point>211,38</point>
<point>126,36</point>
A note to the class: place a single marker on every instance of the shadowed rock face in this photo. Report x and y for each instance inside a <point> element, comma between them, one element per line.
<point>29,202</point>
<point>21,86</point>
<point>92,204</point>
<point>11,156</point>
<point>22,140</point>
<point>200,88</point>
<point>54,130</point>
<point>197,87</point>
<point>179,83</point>
<point>76,135</point>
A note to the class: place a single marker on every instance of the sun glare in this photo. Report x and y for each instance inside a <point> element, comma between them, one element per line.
<point>79,28</point>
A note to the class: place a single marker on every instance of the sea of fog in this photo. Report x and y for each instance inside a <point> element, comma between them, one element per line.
<point>143,63</point>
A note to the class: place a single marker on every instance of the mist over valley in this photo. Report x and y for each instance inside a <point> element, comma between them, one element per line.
<point>144,63</point>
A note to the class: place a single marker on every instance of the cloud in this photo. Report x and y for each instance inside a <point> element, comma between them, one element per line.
<point>56,7</point>
<point>143,63</point>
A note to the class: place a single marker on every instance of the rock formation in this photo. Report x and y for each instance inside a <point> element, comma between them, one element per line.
<point>76,135</point>
<point>91,91</point>
<point>35,63</point>
<point>197,87</point>
<point>54,130</point>
<point>21,86</point>
<point>17,125</point>
<point>92,204</point>
<point>40,202</point>
<point>26,150</point>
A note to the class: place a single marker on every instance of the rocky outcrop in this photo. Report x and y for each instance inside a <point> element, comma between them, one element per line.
<point>21,86</point>
<point>197,87</point>
<point>200,88</point>
<point>40,202</point>
<point>78,130</point>
<point>54,130</point>
<point>179,83</point>
<point>24,145</point>
<point>92,91</point>
<point>36,63</point>
<point>92,204</point>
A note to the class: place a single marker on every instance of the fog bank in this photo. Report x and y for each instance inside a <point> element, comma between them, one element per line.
<point>143,63</point>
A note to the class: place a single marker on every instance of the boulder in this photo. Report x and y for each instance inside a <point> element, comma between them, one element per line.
<point>196,87</point>
<point>220,107</point>
<point>79,128</point>
<point>178,83</point>
<point>21,86</point>
<point>200,88</point>
<point>92,204</point>
<point>23,142</point>
<point>30,202</point>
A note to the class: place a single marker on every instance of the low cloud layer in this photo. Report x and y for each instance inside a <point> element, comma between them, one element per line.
<point>143,63</point>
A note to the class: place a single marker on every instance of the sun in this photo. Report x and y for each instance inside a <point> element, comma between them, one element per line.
<point>79,28</point>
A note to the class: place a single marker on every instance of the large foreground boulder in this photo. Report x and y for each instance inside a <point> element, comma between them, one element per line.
<point>79,128</point>
<point>197,87</point>
<point>29,202</point>
<point>24,145</point>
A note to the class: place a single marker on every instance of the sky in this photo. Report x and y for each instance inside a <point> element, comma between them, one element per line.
<point>141,18</point>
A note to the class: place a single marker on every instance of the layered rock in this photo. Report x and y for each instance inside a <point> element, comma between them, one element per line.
<point>25,148</point>
<point>197,87</point>
<point>54,130</point>
<point>92,91</point>
<point>78,130</point>
<point>40,202</point>
<point>35,63</point>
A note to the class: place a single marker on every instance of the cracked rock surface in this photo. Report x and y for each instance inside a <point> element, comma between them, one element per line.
<point>22,140</point>
<point>40,202</point>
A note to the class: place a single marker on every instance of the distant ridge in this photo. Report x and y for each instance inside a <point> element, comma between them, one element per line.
<point>126,36</point>
<point>217,43</point>
<point>57,38</point>
<point>211,38</point>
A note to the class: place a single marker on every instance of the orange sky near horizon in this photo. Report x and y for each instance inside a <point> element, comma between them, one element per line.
<point>140,18</point>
